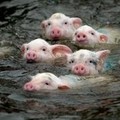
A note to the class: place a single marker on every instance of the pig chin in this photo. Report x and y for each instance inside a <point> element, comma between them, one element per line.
<point>82,41</point>
<point>82,74</point>
<point>32,61</point>
<point>85,73</point>
<point>55,38</point>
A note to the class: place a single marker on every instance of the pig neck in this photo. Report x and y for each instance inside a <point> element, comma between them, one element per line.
<point>72,81</point>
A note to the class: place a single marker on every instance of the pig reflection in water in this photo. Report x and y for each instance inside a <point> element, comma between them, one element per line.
<point>60,26</point>
<point>49,81</point>
<point>39,50</point>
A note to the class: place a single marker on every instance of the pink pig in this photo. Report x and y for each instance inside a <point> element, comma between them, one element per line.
<point>86,62</point>
<point>86,35</point>
<point>49,81</point>
<point>60,26</point>
<point>39,50</point>
<point>45,81</point>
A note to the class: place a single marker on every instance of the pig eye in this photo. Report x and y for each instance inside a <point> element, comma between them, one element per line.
<point>75,33</point>
<point>92,33</point>
<point>27,48</point>
<point>43,49</point>
<point>49,23</point>
<point>93,62</point>
<point>65,23</point>
<point>72,61</point>
<point>47,83</point>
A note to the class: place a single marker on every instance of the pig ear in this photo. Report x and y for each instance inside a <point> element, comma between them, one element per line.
<point>102,55</point>
<point>60,50</point>
<point>103,38</point>
<point>43,24</point>
<point>63,87</point>
<point>23,47</point>
<point>77,22</point>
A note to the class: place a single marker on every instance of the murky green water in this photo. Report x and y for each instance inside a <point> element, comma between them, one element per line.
<point>19,23</point>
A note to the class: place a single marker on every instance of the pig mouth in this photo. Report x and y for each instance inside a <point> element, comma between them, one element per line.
<point>30,61</point>
<point>56,38</point>
<point>81,74</point>
<point>83,41</point>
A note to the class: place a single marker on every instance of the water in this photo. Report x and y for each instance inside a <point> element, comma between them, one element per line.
<point>20,23</point>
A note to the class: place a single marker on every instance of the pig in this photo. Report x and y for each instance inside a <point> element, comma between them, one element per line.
<point>44,81</point>
<point>86,35</point>
<point>39,50</point>
<point>59,26</point>
<point>85,62</point>
<point>49,81</point>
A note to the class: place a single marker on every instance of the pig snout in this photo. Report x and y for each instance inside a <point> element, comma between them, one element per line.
<point>29,87</point>
<point>81,37</point>
<point>79,69</point>
<point>55,33</point>
<point>31,56</point>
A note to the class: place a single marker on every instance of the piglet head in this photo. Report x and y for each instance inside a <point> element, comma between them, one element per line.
<point>44,81</point>
<point>86,35</point>
<point>59,26</point>
<point>86,62</point>
<point>39,50</point>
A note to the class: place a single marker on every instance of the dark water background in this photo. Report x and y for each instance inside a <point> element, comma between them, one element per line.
<point>20,23</point>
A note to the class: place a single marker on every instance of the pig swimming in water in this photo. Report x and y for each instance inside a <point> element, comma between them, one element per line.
<point>85,62</point>
<point>59,26</point>
<point>39,50</point>
<point>48,81</point>
<point>86,35</point>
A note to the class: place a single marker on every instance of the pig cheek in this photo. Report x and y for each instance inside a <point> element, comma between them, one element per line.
<point>46,57</point>
<point>75,38</point>
<point>67,31</point>
<point>93,39</point>
<point>69,65</point>
<point>50,87</point>
<point>38,58</point>
<point>25,55</point>
<point>92,71</point>
<point>87,71</point>
<point>47,32</point>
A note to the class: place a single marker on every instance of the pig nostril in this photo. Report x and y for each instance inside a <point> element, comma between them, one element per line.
<point>78,36</point>
<point>33,55</point>
<point>28,54</point>
<point>84,36</point>
<point>31,86</point>
<point>26,86</point>
<point>82,68</point>
<point>76,68</point>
